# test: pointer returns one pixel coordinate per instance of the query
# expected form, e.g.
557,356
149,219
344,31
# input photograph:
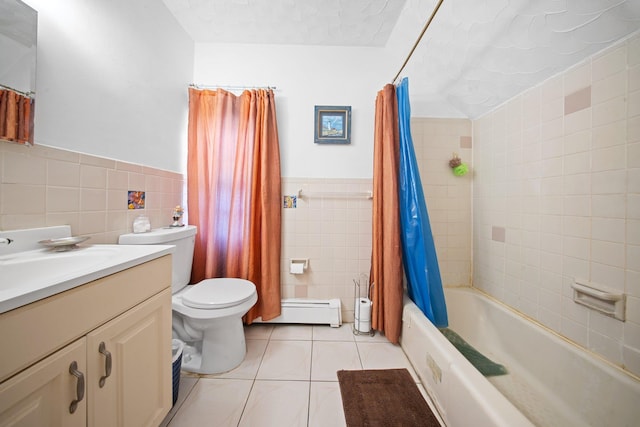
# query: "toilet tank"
183,238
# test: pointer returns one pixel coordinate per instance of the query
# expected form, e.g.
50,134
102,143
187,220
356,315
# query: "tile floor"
288,378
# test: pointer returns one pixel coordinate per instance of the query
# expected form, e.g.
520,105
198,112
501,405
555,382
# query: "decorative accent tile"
577,101
498,234
136,199
290,202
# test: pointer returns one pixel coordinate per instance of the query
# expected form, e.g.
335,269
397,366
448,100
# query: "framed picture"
332,124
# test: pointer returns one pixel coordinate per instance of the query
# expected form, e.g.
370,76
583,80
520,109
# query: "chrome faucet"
5,241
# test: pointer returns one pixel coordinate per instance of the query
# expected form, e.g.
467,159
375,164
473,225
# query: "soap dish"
64,243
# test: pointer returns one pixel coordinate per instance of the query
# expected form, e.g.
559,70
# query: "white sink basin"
46,265
28,276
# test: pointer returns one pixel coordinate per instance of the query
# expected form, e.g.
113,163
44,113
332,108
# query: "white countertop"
29,276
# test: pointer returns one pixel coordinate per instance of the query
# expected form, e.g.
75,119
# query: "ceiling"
475,55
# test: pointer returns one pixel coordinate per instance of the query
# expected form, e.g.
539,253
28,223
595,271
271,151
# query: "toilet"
206,316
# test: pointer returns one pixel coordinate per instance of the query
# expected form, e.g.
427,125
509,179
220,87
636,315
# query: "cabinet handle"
102,348
73,370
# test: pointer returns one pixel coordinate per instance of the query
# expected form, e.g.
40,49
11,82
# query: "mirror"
18,35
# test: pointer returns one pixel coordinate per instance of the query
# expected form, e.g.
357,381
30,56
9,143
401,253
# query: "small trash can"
177,347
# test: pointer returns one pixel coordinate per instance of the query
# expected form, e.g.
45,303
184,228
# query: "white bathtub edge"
462,395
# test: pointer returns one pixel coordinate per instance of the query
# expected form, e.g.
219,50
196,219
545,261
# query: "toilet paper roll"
363,309
296,268
362,320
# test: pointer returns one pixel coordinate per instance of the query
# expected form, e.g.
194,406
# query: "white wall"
112,80
306,76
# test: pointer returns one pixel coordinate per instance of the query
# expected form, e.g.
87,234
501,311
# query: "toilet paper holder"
298,265
362,307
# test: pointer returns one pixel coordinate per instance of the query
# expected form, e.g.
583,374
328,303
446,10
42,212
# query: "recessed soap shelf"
599,298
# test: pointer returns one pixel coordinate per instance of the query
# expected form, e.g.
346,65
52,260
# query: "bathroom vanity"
98,354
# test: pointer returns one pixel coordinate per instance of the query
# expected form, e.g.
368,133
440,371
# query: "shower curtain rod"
415,45
201,86
19,92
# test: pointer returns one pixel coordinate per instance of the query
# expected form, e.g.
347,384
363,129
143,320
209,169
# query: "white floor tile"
377,337
213,402
286,360
327,333
248,369
258,331
292,332
325,405
376,355
331,356
294,367
277,404
187,383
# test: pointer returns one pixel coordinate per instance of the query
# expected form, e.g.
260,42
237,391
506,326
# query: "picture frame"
332,124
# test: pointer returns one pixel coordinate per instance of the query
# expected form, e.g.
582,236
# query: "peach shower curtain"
16,111
386,260
233,182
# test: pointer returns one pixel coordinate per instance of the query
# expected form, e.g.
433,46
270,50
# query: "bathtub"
551,382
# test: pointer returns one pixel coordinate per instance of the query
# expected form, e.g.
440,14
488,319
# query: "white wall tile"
608,275
577,78
577,163
19,168
62,199
610,87
609,182
588,206
608,229
633,104
633,232
577,184
609,253
74,191
608,206
610,134
611,158
577,142
63,173
609,63
633,180
633,257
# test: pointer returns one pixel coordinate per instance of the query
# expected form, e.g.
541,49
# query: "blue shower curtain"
418,250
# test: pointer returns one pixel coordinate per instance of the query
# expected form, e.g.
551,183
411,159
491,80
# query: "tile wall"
334,232
448,197
556,196
331,226
44,186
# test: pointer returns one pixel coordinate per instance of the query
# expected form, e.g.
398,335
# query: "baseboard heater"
309,311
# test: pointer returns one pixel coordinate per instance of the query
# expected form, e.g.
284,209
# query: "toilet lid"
218,293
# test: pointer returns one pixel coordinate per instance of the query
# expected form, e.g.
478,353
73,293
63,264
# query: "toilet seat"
216,293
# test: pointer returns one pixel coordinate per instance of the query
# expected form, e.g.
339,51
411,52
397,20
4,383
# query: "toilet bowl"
207,316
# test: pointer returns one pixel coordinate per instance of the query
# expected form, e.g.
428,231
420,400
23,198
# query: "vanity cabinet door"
129,364
43,394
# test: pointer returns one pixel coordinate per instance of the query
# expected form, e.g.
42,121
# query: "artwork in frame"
332,124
